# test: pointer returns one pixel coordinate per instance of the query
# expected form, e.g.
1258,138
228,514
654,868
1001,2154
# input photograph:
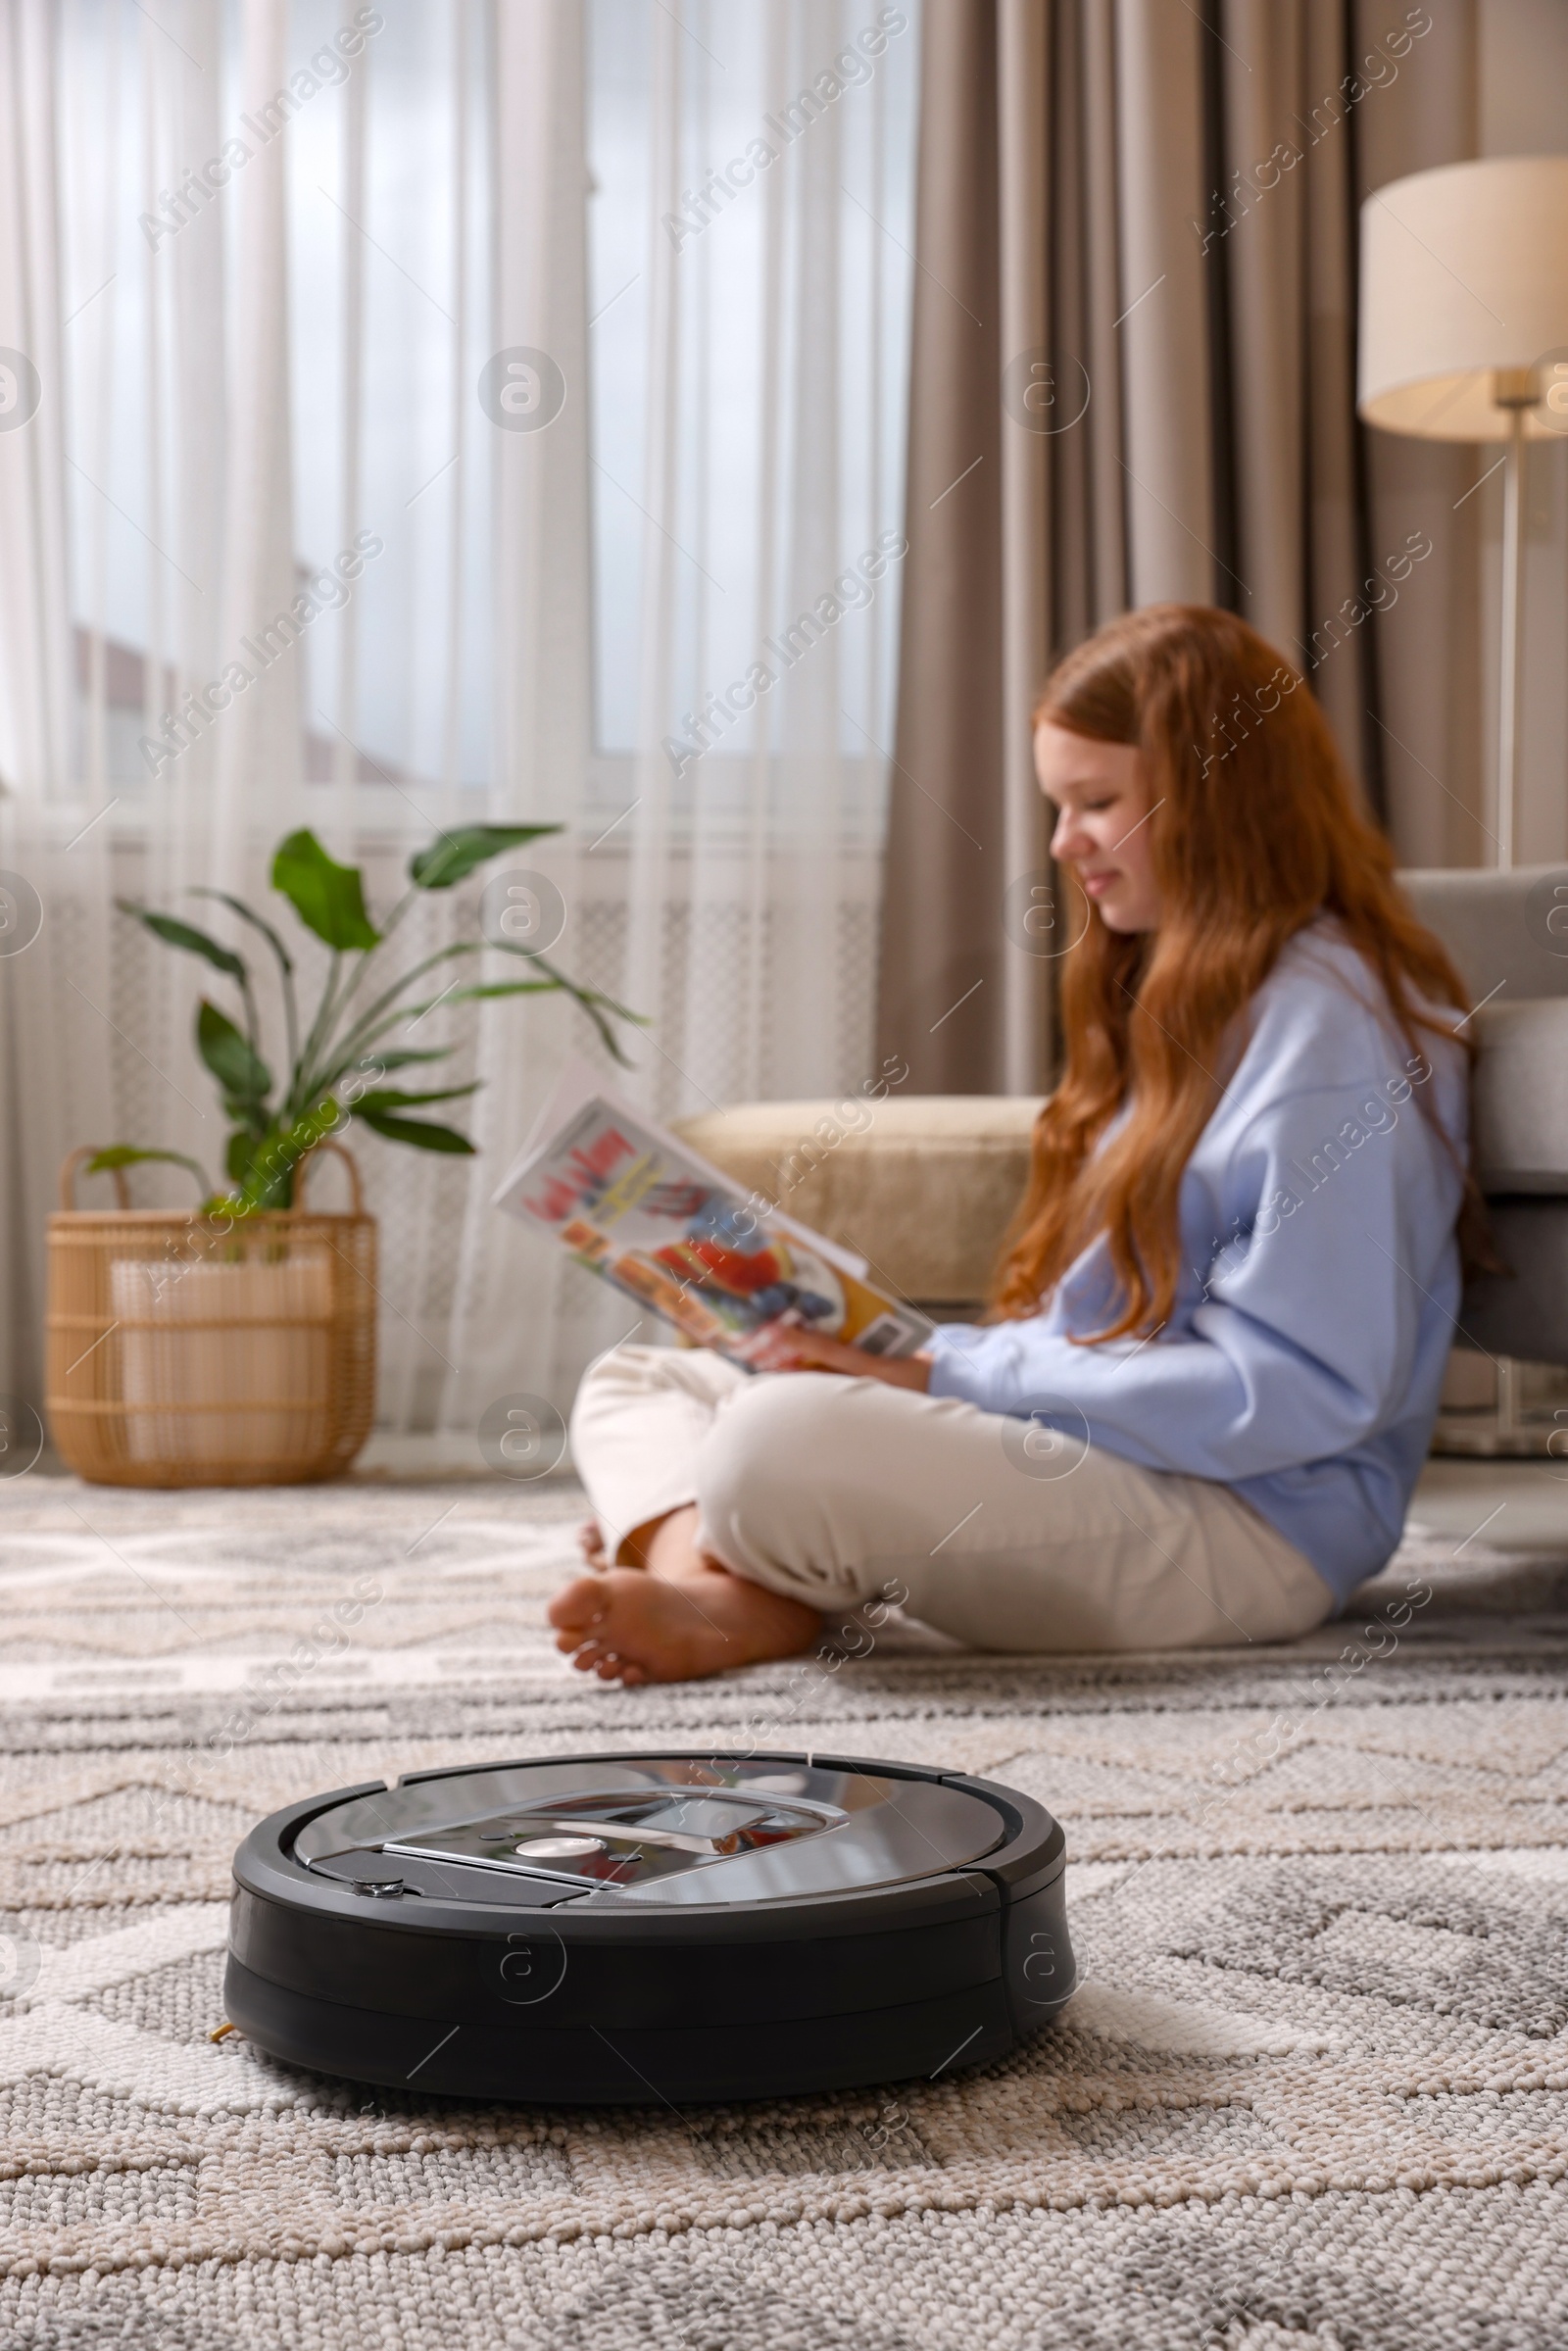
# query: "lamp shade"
1464,272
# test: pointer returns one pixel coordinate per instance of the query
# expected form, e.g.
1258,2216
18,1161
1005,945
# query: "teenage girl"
1208,1379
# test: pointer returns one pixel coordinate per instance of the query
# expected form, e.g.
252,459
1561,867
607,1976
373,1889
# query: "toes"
572,1632
577,1606
606,1664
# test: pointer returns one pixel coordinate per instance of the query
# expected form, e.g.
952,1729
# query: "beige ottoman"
922,1186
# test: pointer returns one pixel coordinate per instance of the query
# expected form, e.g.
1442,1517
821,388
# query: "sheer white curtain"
266,260
748,497
55,1051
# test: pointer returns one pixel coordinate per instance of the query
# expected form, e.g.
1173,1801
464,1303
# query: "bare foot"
591,1543
628,1626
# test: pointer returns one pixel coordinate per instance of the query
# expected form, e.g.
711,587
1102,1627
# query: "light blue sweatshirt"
1303,1357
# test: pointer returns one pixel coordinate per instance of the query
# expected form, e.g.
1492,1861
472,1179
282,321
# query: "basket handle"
301,1165
68,1177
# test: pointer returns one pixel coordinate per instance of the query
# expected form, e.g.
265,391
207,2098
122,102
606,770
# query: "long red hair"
1256,832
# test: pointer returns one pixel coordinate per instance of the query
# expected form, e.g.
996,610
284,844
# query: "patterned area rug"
1313,2092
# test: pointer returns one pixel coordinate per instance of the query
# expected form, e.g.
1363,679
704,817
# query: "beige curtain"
1133,370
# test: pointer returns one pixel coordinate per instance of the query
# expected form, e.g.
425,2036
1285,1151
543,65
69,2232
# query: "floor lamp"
1463,335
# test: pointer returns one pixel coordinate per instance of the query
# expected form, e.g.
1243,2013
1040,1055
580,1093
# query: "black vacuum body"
624,1929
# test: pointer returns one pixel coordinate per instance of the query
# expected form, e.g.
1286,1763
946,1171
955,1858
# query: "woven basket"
185,1350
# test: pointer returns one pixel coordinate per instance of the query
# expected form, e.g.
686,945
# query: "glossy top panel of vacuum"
655,1830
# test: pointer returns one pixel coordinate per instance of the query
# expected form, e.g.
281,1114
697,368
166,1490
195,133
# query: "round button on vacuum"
557,1848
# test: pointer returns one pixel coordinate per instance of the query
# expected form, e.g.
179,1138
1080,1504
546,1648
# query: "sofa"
1508,934
923,1185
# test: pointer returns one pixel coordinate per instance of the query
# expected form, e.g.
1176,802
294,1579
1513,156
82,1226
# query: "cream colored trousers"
838,1491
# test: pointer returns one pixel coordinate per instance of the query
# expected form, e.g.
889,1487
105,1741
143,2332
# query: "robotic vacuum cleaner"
627,1928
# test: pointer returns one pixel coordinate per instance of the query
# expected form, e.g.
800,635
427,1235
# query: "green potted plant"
335,1064
236,1342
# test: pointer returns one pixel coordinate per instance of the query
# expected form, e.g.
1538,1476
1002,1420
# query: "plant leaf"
127,1155
252,1116
466,996
241,1073
382,1098
175,933
576,989
327,898
238,906
591,1002
239,1154
423,1134
452,857
403,1055
269,1177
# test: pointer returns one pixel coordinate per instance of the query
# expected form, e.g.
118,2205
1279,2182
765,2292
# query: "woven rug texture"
1312,2094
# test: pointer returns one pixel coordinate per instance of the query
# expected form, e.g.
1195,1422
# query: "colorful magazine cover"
634,1203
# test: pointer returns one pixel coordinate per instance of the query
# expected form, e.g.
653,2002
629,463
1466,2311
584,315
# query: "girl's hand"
783,1347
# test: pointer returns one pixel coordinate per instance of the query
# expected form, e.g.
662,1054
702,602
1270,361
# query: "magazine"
632,1202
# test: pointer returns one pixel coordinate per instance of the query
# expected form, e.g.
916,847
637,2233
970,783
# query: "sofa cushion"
1519,1103
1506,931
923,1186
